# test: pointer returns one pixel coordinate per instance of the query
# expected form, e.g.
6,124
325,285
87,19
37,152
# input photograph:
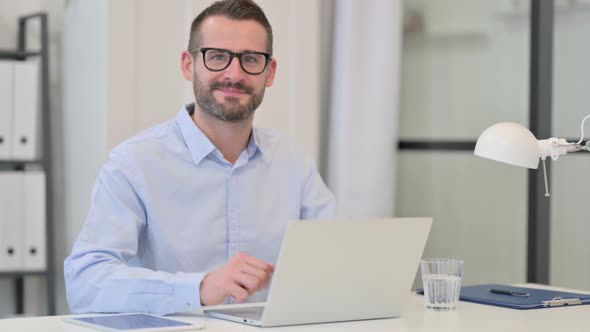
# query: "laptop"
333,271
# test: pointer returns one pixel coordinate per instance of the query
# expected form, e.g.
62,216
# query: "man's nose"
234,70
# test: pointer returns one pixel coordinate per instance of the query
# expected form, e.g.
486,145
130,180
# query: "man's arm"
98,274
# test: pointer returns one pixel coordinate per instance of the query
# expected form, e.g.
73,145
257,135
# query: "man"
193,212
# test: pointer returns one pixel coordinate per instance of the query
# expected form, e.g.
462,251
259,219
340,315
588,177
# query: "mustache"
229,85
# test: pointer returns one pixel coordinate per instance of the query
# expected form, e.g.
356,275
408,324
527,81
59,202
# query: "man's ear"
187,65
272,70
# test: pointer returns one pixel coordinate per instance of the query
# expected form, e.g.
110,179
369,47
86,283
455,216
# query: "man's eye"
251,59
217,56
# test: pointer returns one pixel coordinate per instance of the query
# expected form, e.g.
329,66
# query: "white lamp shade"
509,143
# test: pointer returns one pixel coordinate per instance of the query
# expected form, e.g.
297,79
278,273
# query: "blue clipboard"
520,297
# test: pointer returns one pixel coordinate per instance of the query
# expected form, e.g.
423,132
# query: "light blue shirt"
167,208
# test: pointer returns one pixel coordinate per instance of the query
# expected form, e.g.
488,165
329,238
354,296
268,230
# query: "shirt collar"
199,144
261,145
253,145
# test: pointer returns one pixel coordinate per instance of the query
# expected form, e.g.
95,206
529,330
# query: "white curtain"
364,106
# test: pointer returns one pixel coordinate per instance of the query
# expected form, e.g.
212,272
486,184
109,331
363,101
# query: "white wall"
144,85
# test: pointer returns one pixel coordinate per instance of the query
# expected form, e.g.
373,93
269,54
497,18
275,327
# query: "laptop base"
246,315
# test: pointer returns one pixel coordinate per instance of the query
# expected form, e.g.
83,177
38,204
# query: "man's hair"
232,9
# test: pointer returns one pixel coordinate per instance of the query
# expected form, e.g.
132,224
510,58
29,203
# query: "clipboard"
534,299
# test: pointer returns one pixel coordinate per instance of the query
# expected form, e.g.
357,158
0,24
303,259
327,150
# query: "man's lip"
230,91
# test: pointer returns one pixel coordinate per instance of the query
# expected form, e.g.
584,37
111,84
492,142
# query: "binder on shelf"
520,297
26,112
11,231
6,101
34,245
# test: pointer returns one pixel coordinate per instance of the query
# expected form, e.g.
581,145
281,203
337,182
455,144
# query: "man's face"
231,94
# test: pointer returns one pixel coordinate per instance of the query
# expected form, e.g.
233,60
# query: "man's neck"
230,138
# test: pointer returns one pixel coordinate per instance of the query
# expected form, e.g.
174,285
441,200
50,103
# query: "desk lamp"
514,144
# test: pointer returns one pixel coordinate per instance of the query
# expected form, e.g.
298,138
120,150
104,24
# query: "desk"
468,317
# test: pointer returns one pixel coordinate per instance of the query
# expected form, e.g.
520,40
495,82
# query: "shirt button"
84,237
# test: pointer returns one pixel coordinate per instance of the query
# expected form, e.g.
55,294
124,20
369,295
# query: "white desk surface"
468,317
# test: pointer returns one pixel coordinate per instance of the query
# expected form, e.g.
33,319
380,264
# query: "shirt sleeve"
317,201
99,274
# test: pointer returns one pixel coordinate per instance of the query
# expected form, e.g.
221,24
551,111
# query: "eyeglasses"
218,59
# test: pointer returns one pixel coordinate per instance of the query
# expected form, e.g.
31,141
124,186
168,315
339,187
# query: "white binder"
26,118
6,100
11,231
34,221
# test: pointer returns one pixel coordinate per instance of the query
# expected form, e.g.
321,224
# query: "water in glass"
441,291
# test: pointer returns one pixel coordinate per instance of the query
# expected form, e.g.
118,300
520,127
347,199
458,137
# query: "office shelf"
20,162
22,53
13,274
17,55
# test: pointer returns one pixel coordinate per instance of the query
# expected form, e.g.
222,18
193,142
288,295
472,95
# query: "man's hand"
239,278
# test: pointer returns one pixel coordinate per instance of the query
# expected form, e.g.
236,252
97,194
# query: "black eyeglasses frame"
233,55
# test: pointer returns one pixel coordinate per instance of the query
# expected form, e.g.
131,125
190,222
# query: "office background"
437,74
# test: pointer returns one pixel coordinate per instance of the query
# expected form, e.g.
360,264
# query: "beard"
231,110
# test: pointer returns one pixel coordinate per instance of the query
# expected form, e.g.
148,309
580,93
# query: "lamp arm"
555,147
569,147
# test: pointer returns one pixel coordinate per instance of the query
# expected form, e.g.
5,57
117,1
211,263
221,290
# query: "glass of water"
441,279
